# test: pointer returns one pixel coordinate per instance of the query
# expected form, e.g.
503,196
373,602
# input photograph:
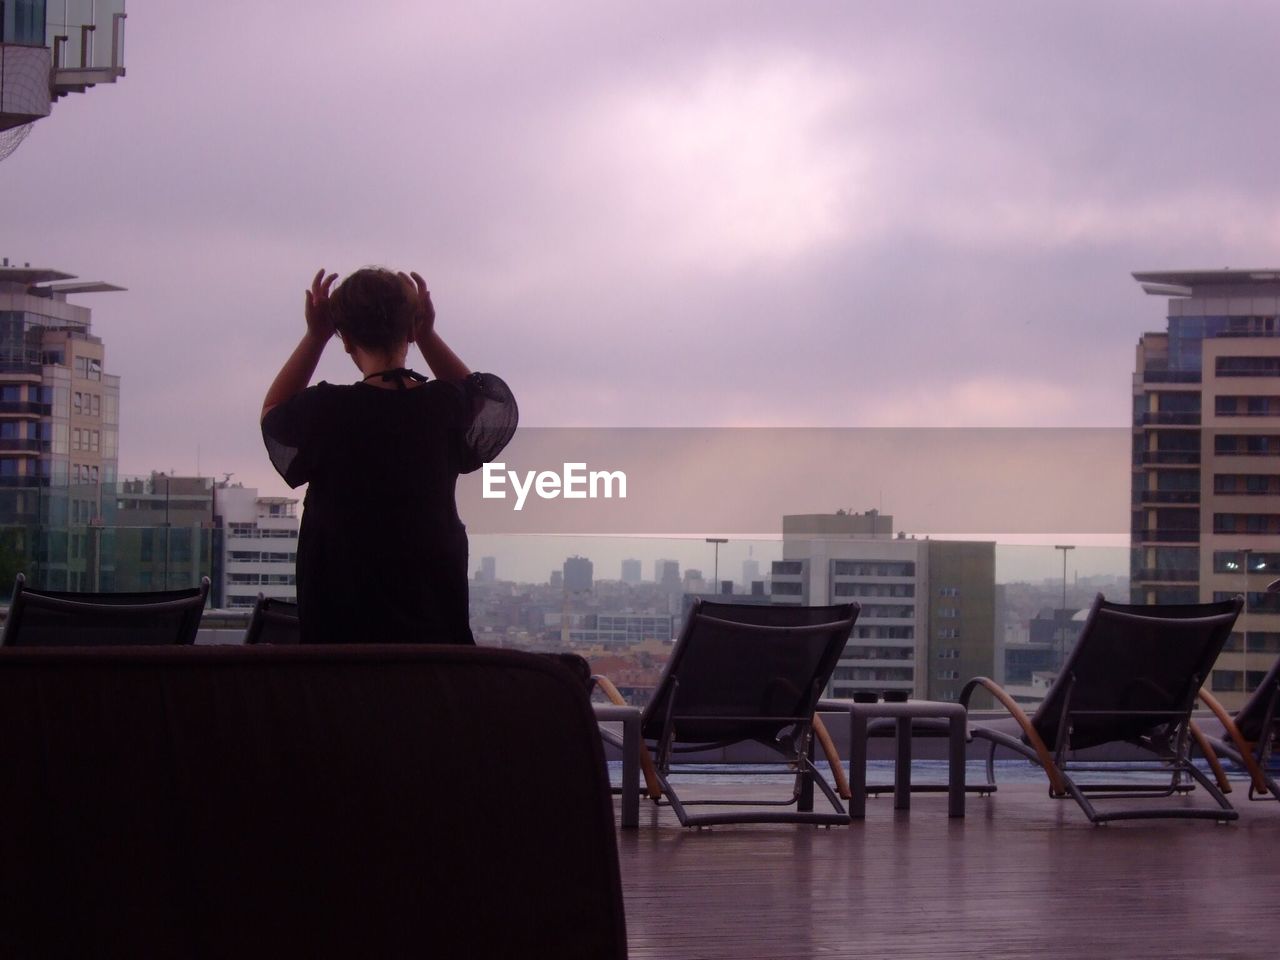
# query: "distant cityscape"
932,614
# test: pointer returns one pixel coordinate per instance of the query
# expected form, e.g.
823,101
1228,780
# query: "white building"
928,606
259,544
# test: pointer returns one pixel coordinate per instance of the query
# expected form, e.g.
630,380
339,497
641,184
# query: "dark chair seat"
59,618
273,621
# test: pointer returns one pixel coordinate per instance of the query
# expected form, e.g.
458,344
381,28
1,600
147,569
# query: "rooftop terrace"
1020,876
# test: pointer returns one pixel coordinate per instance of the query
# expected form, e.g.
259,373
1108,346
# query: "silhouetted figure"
382,553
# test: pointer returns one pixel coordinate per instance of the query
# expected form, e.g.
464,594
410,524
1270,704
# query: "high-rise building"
59,431
1206,458
928,606
488,570
667,574
631,572
59,409
578,575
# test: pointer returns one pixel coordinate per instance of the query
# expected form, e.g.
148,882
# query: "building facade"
164,535
928,606
631,571
578,574
59,431
59,409
259,537
1206,458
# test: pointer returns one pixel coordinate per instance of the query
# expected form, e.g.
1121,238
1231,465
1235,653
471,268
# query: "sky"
663,214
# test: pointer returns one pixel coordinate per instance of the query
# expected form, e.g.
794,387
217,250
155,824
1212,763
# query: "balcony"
21,445
1155,575
1167,536
1171,376
1167,496
28,407
1175,458
1161,418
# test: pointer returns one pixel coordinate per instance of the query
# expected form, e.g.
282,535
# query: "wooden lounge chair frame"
1249,737
673,725
1060,726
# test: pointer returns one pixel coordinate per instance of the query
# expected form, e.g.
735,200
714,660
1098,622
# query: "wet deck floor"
1021,876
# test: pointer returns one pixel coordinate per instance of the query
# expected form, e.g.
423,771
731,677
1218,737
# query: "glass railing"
623,601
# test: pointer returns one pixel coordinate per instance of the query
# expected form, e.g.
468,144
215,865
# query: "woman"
382,553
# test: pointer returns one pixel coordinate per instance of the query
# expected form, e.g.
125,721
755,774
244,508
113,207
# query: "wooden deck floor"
1020,876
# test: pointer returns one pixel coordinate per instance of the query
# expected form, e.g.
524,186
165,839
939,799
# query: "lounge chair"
744,673
273,621
1132,678
58,618
1249,736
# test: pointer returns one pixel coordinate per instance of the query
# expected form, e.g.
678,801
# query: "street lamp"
715,577
1245,554
1062,630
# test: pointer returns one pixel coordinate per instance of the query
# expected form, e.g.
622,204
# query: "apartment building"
259,545
59,428
928,606
1206,458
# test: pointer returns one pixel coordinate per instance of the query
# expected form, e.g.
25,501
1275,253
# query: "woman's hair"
373,309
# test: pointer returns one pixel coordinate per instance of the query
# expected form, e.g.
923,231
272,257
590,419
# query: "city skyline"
602,202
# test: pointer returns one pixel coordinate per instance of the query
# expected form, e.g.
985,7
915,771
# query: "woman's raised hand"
424,319
319,308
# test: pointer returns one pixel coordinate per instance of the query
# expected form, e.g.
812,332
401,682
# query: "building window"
1248,366
1227,681
1254,523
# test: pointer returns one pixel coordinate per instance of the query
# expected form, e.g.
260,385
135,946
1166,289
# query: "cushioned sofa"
302,801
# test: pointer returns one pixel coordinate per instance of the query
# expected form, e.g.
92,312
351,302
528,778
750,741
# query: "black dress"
382,553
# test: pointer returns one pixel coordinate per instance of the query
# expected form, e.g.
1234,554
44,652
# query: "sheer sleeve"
490,417
289,431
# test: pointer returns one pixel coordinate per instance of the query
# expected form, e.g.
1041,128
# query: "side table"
903,714
629,717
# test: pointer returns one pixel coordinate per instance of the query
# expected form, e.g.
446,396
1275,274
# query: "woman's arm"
296,373
444,363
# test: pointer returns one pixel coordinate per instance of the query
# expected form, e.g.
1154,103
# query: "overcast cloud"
668,213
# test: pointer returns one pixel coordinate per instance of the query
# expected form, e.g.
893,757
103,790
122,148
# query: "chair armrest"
1056,783
1243,746
652,786
833,758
